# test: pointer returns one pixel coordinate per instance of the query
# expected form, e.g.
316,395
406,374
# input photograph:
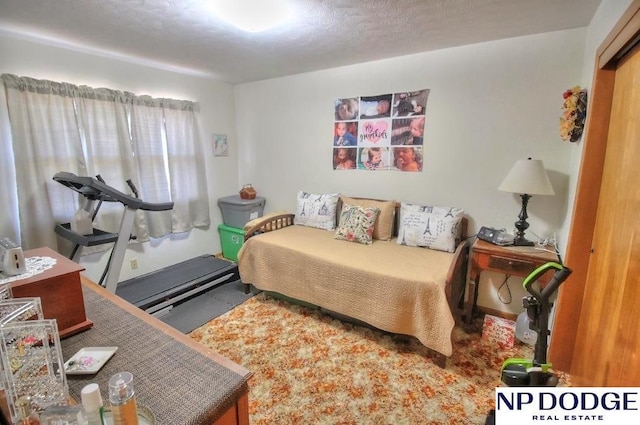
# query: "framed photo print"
220,145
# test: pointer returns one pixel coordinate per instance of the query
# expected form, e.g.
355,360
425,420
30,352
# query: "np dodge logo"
532,405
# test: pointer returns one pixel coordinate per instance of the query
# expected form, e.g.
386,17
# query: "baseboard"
497,313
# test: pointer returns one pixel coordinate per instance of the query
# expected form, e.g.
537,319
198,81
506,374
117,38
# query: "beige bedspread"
395,288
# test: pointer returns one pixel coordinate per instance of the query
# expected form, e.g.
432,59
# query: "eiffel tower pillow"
316,210
428,226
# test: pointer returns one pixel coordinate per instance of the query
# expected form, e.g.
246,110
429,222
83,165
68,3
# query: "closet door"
607,350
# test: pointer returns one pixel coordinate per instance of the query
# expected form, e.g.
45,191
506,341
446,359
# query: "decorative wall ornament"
383,132
574,114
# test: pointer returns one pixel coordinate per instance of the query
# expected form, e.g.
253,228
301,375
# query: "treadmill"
155,291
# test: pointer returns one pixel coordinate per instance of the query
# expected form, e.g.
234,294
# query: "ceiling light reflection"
253,15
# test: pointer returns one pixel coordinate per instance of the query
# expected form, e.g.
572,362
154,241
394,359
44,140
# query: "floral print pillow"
356,224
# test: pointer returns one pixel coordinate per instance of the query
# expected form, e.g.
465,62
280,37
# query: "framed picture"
220,145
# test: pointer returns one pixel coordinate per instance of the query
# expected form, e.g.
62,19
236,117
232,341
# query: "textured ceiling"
185,36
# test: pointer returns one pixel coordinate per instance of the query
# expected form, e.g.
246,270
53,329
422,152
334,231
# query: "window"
118,135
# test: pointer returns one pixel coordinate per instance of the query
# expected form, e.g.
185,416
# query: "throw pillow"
383,227
357,224
317,211
431,227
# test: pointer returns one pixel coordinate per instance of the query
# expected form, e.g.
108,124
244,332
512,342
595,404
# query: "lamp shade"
527,176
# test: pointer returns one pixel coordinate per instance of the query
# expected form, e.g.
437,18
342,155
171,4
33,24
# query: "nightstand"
512,260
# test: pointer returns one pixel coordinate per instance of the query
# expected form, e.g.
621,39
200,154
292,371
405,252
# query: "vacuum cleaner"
519,372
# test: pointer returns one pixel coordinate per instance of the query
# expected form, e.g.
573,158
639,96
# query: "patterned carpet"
310,368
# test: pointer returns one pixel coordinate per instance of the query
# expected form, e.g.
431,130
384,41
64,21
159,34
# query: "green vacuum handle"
562,273
535,275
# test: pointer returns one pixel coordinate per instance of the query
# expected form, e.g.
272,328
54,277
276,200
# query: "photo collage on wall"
383,132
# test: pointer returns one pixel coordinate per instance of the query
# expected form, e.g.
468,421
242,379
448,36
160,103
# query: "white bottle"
92,407
523,332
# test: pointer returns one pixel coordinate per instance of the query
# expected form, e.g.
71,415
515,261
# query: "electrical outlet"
134,263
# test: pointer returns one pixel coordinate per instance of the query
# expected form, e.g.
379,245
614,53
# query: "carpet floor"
310,368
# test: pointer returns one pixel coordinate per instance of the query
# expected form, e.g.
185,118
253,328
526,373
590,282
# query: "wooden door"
607,350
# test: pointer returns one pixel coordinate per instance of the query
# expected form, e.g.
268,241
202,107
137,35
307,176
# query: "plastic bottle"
523,333
92,407
122,399
25,416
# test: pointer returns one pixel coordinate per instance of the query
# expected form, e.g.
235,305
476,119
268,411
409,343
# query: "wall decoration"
220,145
574,114
344,158
373,158
346,109
345,133
382,132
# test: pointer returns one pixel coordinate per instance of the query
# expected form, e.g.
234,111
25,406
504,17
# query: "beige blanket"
395,288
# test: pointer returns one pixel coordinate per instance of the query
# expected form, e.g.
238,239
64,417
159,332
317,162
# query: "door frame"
569,306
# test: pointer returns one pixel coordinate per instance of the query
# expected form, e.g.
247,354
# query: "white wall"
490,104
26,58
602,23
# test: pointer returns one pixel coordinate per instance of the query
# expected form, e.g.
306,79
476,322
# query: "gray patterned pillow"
317,211
431,227
356,224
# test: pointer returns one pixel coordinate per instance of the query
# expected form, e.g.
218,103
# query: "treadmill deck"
149,289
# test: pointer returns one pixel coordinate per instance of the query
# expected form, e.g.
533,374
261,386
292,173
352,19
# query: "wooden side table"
513,260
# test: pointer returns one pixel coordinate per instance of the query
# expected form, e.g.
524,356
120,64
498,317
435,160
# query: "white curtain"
61,127
102,114
45,140
188,186
147,128
9,226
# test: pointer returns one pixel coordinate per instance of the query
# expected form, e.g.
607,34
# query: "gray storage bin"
236,212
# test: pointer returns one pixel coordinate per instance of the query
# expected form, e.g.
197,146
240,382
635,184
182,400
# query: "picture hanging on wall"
383,132
220,145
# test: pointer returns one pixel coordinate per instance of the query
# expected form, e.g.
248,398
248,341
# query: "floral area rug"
310,368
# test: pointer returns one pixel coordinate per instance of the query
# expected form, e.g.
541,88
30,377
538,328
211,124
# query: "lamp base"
522,225
522,242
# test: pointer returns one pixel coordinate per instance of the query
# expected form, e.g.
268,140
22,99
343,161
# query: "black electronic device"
495,236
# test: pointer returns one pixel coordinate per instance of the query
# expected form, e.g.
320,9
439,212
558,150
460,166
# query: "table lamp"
527,177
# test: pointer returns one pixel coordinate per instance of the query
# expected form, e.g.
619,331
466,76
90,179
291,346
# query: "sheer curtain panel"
188,182
103,118
46,139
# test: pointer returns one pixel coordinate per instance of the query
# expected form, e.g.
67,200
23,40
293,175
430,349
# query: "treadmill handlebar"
133,188
97,190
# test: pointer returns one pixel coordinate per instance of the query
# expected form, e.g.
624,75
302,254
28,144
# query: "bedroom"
490,104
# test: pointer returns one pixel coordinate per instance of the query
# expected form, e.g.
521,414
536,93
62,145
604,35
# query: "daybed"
401,289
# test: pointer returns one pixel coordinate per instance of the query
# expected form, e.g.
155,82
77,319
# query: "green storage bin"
231,239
